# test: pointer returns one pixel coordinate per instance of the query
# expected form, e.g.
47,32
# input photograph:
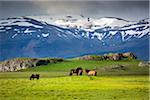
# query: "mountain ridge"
42,39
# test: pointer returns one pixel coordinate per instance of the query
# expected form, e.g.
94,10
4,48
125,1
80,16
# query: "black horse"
37,76
78,71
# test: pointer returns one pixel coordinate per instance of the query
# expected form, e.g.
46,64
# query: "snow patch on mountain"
28,31
2,30
45,35
1,27
14,35
113,22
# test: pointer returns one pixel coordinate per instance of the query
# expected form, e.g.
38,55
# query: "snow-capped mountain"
44,36
91,28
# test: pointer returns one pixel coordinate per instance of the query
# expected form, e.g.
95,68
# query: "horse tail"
37,75
95,73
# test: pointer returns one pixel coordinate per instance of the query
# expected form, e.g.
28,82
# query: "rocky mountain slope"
24,63
110,56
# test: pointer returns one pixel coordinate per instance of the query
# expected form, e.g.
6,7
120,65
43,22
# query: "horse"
37,76
91,72
78,71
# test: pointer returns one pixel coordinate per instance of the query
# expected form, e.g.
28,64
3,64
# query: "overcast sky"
129,10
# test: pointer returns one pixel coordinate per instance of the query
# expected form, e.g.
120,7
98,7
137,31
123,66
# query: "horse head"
87,70
71,72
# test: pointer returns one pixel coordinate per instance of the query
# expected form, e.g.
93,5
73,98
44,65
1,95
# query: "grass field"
55,84
76,88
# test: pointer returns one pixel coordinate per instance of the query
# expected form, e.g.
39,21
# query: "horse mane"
78,71
87,70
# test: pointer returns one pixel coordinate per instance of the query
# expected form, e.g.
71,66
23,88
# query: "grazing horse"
91,72
78,71
37,76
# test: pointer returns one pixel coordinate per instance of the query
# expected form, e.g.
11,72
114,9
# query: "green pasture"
55,83
76,88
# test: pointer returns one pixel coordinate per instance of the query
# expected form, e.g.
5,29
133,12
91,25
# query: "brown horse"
37,76
77,71
91,72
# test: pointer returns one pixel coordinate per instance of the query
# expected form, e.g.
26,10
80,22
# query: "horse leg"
77,73
81,73
70,74
37,77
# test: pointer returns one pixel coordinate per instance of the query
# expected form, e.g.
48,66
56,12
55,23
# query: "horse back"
94,73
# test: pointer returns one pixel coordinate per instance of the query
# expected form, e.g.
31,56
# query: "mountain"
71,36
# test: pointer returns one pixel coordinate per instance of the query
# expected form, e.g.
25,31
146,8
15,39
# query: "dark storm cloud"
132,10
19,8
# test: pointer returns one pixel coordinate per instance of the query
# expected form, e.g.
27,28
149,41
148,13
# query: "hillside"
24,63
125,66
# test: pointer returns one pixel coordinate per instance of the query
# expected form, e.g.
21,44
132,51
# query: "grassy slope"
131,67
68,64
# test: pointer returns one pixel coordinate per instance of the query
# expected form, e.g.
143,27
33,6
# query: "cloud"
64,7
125,9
